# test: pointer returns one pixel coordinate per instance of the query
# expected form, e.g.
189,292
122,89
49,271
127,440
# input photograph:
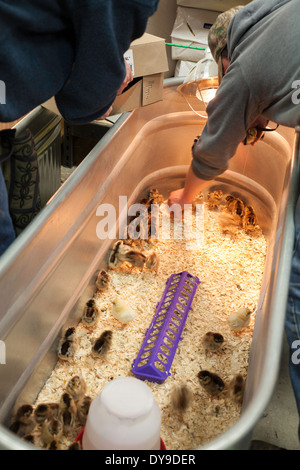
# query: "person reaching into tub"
72,50
258,73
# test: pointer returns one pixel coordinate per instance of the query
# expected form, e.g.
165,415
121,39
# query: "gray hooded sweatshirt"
263,78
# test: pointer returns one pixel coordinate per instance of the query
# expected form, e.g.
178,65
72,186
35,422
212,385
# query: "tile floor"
279,424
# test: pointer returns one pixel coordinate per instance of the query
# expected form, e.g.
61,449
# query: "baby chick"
135,258
230,223
42,412
122,312
69,334
181,398
236,389
68,411
113,260
83,407
102,344
91,313
66,350
211,382
102,281
74,446
240,319
53,445
152,261
212,341
251,136
235,205
214,199
51,429
76,387
23,421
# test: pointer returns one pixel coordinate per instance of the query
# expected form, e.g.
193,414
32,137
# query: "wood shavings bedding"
230,271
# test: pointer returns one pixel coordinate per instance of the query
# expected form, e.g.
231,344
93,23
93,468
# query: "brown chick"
68,411
135,258
212,341
211,382
236,389
42,412
76,387
102,281
83,407
214,199
74,446
181,398
240,319
230,223
102,344
69,334
23,422
53,445
152,261
66,349
50,430
91,313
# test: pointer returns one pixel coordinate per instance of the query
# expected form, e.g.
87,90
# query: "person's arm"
103,32
193,186
229,117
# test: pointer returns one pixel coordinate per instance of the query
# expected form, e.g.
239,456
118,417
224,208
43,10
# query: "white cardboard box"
191,29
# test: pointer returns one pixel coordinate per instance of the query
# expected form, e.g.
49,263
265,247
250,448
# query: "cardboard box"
147,58
191,28
215,5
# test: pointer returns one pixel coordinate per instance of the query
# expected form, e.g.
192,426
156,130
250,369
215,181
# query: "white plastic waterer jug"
124,416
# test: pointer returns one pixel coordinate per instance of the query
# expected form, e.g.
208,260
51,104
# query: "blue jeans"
292,324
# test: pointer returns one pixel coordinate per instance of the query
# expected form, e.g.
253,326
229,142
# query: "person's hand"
128,78
105,115
177,198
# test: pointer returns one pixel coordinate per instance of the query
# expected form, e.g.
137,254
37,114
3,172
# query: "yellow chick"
212,341
211,382
236,389
76,387
240,320
122,312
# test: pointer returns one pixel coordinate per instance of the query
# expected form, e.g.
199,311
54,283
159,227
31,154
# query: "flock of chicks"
234,214
49,421
181,396
45,424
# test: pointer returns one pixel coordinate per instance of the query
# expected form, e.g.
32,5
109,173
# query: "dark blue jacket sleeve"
103,31
70,49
